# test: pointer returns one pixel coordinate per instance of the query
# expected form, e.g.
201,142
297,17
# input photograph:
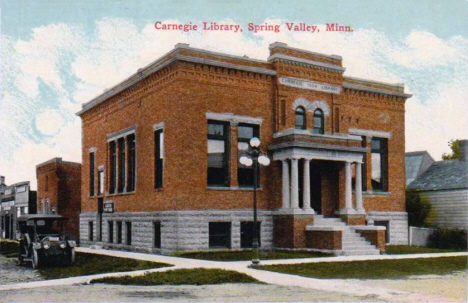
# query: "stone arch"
321,105
301,102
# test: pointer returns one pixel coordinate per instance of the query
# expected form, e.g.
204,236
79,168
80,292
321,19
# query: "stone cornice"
162,63
229,117
284,45
308,133
305,62
375,90
318,146
370,133
121,133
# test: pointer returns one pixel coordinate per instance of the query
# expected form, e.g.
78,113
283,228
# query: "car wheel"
36,261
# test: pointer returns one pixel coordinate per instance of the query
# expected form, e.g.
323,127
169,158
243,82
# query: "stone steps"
352,242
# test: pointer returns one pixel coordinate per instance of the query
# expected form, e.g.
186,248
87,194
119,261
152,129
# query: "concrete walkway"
334,285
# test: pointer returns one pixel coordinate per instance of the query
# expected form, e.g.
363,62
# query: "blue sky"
57,55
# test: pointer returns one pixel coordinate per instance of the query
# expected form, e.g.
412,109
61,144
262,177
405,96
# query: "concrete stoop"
352,242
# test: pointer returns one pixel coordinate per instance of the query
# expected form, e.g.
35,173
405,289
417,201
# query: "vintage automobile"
43,240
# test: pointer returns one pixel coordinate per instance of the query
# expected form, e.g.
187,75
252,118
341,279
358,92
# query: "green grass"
375,269
90,264
246,255
406,249
196,276
9,249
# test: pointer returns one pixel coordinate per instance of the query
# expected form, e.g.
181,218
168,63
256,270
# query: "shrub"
448,238
418,209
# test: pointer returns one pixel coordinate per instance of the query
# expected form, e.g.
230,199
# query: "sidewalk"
334,285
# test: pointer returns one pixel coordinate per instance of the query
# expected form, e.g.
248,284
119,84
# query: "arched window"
319,122
300,118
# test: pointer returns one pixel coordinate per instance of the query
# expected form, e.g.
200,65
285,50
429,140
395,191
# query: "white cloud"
62,67
422,49
49,122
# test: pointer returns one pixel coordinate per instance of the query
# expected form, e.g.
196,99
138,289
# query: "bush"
418,210
448,238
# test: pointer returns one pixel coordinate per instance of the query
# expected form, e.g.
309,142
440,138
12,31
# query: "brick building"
59,191
160,155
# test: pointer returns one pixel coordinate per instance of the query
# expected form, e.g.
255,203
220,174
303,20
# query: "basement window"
157,234
220,235
119,232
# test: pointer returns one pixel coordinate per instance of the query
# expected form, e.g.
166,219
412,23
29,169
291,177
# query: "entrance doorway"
316,187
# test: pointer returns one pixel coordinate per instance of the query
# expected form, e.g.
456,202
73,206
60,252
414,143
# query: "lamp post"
254,157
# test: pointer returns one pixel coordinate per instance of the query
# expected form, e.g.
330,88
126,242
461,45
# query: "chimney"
464,150
2,180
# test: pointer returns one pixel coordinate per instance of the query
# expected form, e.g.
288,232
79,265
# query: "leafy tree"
455,146
418,209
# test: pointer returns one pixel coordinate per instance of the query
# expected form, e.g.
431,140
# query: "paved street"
281,287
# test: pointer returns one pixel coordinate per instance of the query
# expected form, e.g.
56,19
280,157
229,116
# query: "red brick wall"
63,191
324,239
376,237
289,231
180,95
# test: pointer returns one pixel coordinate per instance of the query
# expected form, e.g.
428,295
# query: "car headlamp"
46,245
63,245
72,243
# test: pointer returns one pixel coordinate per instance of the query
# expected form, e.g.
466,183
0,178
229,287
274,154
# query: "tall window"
245,174
122,161
91,174
158,158
218,153
301,122
131,163
319,125
379,164
113,166
121,174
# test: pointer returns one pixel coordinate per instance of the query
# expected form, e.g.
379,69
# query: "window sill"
232,188
120,194
158,189
376,193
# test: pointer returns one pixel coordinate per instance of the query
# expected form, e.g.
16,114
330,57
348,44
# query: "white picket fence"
419,236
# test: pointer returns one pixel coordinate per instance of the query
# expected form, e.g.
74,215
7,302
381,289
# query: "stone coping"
368,227
324,228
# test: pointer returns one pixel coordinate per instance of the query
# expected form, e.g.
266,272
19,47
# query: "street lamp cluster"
254,157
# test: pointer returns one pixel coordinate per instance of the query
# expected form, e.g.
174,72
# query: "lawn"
375,269
196,276
406,249
9,249
86,264
90,264
246,255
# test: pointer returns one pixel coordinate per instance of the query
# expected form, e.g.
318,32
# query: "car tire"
36,261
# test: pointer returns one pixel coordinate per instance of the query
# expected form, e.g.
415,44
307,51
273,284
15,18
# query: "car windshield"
49,226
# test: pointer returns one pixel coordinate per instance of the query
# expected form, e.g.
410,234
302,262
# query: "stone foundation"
180,230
